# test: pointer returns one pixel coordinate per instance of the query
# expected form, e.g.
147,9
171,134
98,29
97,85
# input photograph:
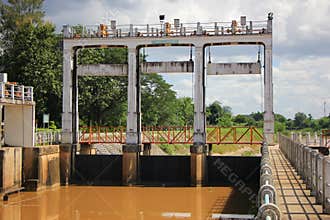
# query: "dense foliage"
31,54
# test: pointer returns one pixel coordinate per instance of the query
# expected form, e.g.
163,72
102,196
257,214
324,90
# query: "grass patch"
248,153
175,149
225,148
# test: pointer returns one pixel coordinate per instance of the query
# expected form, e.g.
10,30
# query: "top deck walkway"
294,199
301,177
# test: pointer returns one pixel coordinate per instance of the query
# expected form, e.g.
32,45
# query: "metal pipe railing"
308,138
13,92
47,137
311,165
166,29
267,197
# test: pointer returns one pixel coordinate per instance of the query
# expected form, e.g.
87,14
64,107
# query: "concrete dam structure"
48,176
135,38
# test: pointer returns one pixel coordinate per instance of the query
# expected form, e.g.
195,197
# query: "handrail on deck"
172,29
13,92
267,196
312,165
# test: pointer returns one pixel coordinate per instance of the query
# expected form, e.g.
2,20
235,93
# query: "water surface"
141,203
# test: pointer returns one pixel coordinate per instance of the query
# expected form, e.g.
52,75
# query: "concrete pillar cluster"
313,166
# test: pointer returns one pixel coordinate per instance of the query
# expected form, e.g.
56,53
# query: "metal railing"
168,29
47,137
13,92
267,197
172,135
308,138
313,166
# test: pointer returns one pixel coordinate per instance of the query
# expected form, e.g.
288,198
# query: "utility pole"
324,108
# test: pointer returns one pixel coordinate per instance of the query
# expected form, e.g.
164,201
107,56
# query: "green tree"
257,116
185,111
35,60
217,114
324,123
244,120
32,54
15,14
280,118
299,120
102,100
158,101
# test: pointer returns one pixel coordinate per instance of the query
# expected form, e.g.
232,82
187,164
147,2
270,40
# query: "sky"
301,46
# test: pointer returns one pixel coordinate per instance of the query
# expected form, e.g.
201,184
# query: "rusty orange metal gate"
172,135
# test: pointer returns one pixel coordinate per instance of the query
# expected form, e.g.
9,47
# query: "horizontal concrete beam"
233,68
102,70
168,67
146,67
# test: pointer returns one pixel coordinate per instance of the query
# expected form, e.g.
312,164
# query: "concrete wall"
19,125
10,167
41,164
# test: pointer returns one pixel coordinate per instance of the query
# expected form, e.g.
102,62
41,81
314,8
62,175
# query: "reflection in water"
142,203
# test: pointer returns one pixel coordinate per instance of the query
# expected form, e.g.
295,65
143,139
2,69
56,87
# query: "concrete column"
305,167
131,164
146,149
198,165
309,169
199,98
70,122
314,154
75,112
132,148
268,96
87,149
301,160
198,149
210,149
319,179
67,96
308,138
65,163
1,125
133,135
326,185
300,137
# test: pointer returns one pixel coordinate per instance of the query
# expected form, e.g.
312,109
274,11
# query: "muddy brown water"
141,203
